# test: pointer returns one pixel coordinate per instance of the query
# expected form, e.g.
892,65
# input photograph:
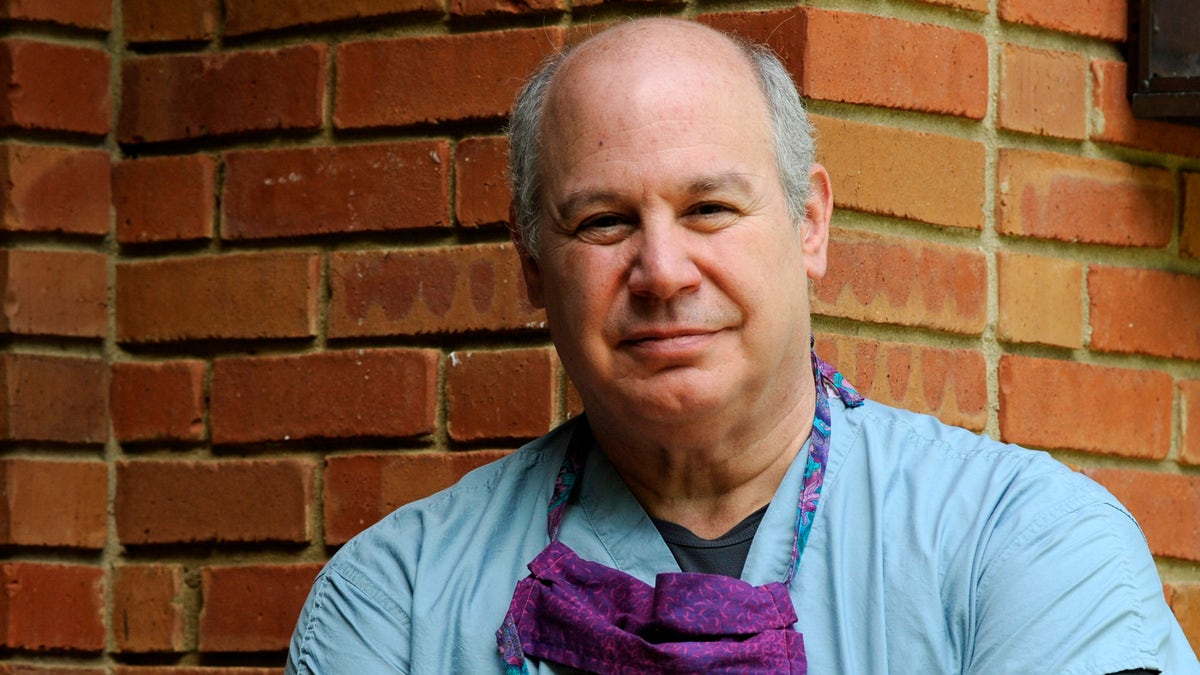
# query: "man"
669,217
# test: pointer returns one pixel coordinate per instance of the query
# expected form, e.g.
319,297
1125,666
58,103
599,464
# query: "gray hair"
792,132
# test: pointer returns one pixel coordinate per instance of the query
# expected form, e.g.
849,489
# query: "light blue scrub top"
933,551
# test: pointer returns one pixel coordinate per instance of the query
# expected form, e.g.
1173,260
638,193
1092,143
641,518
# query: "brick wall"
257,291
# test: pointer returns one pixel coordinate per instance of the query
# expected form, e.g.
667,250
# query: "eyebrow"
581,200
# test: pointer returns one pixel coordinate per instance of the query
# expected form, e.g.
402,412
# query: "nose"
664,265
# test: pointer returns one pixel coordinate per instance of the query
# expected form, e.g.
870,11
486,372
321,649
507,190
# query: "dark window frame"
1155,30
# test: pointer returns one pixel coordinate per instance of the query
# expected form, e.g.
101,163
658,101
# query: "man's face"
673,279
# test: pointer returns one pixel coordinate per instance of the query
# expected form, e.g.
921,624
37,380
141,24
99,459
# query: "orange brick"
386,83
1041,300
1189,391
1097,201
231,500
950,384
1116,124
359,188
506,394
906,174
1145,312
61,293
176,21
147,608
361,489
858,58
53,398
53,503
1104,19
1167,506
504,7
165,198
50,189
90,14
28,669
239,296
252,16
47,606
785,31
429,290
158,401
360,393
481,194
1074,406
252,608
1043,92
54,87
1185,604
1189,239
906,282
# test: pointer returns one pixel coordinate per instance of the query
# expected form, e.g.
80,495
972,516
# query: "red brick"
906,174
252,16
54,87
1044,92
362,188
1167,506
164,198
53,398
48,189
251,295
906,282
178,96
92,14
1145,312
53,503
950,384
147,608
1185,603
28,669
503,7
596,3
481,194
1115,122
179,20
972,5
360,393
1041,300
785,31
222,501
158,401
1189,239
384,83
47,606
1075,406
429,290
62,293
1096,201
361,489
253,607
506,394
1104,19
1189,391
859,58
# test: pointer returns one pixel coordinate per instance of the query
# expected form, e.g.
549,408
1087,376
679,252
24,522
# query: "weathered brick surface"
1167,506
1053,196
1185,603
503,7
53,503
61,293
858,58
252,16
1043,92
1189,238
372,393
242,296
252,608
221,501
178,20
362,188
361,489
164,198
51,189
49,606
950,384
1190,396
901,281
481,194
1105,19
428,290
907,174
53,398
1095,418
90,14
386,83
507,394
1041,299
1115,122
147,608
179,96
1144,311
162,401
785,31
54,87
27,669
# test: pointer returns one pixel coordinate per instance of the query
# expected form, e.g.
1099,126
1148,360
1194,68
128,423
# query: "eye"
711,216
710,209
604,228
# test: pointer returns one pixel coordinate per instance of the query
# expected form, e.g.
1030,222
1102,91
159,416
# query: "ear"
815,228
529,267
